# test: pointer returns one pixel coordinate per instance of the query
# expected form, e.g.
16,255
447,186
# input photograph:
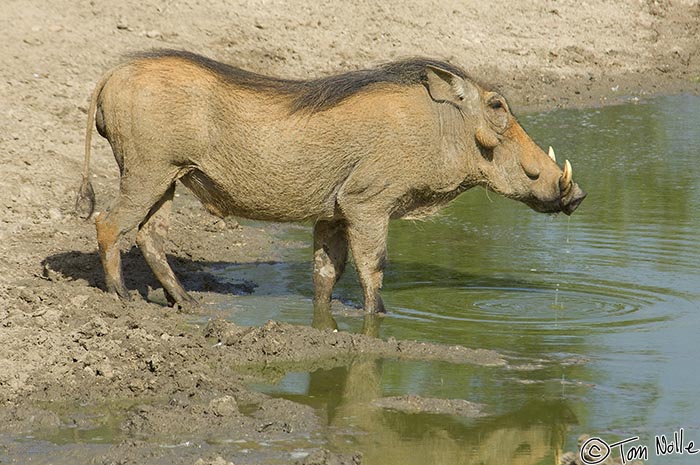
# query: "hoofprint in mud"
348,152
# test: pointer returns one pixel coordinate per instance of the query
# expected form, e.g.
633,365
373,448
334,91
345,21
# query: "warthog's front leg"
330,256
368,245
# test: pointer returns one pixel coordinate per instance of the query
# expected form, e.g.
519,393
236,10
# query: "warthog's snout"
546,187
576,196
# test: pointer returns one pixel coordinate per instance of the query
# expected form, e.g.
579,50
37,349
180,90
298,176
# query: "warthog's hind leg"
330,256
108,235
138,194
151,241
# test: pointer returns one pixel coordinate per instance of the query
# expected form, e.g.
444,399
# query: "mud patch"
418,404
130,380
282,343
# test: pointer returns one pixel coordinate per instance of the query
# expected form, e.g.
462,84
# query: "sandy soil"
65,342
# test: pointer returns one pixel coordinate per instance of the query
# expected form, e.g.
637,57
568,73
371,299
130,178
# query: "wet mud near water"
124,383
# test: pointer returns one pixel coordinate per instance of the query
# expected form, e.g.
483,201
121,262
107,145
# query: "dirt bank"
65,344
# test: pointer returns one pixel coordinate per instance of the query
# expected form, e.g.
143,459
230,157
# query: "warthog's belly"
258,201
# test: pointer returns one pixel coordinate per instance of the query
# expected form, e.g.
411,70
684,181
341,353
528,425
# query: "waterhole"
599,313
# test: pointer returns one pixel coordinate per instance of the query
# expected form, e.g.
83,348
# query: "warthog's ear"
445,86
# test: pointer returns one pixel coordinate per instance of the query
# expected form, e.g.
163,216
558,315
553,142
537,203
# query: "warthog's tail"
85,201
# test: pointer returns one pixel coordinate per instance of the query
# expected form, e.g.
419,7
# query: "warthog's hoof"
184,303
119,290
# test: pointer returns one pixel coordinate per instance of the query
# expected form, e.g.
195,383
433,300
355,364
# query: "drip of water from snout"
558,306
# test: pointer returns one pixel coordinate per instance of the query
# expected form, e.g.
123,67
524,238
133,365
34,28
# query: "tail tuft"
85,201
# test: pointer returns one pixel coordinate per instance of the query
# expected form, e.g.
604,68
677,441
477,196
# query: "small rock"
223,406
216,226
33,41
55,214
214,461
51,274
137,385
96,327
122,24
78,300
153,34
154,363
274,427
105,369
326,457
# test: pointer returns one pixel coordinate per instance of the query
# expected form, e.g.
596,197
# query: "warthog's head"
507,161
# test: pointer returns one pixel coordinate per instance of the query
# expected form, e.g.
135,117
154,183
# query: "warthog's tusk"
566,177
551,154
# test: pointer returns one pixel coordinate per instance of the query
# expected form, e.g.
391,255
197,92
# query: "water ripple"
597,306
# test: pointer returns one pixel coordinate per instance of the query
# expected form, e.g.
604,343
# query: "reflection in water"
600,311
533,433
527,436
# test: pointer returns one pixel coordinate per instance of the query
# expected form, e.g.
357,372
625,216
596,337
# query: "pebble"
122,24
224,406
78,300
214,461
104,369
33,41
55,214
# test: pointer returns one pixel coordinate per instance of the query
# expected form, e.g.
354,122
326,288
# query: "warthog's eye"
497,113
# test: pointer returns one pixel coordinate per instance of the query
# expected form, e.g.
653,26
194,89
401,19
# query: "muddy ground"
65,345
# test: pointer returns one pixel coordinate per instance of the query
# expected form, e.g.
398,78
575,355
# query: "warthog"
347,152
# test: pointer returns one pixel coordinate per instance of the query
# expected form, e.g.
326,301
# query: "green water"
598,313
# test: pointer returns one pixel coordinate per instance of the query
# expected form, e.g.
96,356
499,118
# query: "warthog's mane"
316,94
